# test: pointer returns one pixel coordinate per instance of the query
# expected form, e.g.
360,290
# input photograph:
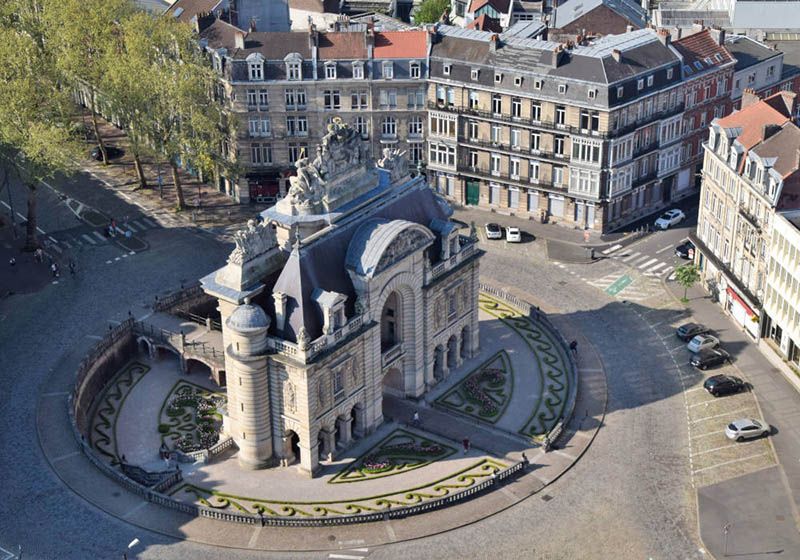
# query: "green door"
473,193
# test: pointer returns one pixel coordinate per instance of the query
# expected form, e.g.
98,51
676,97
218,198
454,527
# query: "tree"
186,125
430,11
37,135
687,276
80,34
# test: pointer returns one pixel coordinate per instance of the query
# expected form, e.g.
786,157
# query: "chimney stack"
203,21
494,42
719,35
252,26
664,37
616,54
628,28
238,38
749,97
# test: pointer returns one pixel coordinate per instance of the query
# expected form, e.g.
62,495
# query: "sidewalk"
779,492
206,207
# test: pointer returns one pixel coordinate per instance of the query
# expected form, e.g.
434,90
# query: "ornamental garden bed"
400,452
190,418
485,393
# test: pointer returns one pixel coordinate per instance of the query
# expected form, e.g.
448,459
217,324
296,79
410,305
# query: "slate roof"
321,264
220,34
275,45
247,318
502,6
485,23
783,146
748,52
572,10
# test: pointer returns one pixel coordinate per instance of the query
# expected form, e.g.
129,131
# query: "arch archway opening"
452,353
438,363
465,343
391,326
196,367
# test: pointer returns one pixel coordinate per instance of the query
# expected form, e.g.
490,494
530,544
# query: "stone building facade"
751,171
355,286
284,88
574,136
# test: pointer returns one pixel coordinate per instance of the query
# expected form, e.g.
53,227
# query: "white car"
747,428
670,218
702,342
513,235
494,231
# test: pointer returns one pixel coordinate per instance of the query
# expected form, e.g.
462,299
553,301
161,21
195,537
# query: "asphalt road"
628,497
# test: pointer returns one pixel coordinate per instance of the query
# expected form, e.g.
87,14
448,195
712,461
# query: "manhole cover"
331,538
547,497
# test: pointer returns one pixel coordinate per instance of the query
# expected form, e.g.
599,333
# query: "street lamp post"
131,544
725,530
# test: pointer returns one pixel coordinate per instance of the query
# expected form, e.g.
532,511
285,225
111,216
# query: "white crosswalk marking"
89,239
631,256
612,249
150,222
138,225
640,260
656,267
131,227
648,263
667,270
98,236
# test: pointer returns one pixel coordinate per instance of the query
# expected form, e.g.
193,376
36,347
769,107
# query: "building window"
296,126
496,133
536,141
442,125
562,88
338,384
415,126
446,69
416,98
443,154
592,93
294,71
558,176
558,145
361,126
561,115
295,99
263,99
259,126
388,98
330,70
494,194
474,100
649,81
389,127
473,159
498,77
536,111
358,99
414,70
518,81
533,167
590,120
260,154
497,103
416,152
296,151
515,167
669,73
256,71
620,92
473,74
495,164
331,99
358,70
388,70
537,84
516,138
251,98
586,151
516,107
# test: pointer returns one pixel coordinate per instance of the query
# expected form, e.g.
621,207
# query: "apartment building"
587,137
782,296
284,88
751,171
708,70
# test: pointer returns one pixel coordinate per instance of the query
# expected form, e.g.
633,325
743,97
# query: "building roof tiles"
401,44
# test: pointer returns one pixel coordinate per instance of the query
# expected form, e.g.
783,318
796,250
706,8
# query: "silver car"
702,342
747,428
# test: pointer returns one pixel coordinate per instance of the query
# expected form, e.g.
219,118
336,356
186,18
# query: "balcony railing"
656,116
504,176
749,217
466,251
514,151
391,354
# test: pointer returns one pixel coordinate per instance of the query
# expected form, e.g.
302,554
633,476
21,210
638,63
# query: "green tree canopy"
687,276
430,11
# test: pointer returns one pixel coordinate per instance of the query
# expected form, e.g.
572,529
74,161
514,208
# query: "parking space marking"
737,411
663,249
739,460
707,434
725,447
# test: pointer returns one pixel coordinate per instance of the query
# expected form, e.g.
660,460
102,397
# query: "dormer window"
255,67
446,69
518,81
358,70
537,84
330,70
620,92
473,74
332,306
388,70
294,69
592,93
649,81
698,64
639,84
562,88
498,77
414,70
669,73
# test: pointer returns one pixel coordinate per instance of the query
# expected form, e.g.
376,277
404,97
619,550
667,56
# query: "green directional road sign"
619,284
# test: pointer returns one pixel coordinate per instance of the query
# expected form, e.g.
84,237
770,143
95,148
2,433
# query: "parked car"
723,385
670,218
513,235
747,428
702,342
685,250
494,231
709,357
111,151
688,331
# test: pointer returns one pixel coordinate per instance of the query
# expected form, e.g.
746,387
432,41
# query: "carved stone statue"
395,162
251,242
303,340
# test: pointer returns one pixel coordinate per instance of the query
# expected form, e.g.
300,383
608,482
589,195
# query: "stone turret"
248,419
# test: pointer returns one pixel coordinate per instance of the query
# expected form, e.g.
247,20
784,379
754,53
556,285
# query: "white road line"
729,413
724,447
139,225
53,239
345,556
731,462
129,225
9,556
708,434
149,221
648,263
66,456
656,267
89,239
98,236
631,256
663,249
612,249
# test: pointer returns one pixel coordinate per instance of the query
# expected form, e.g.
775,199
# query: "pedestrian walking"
415,419
465,442
54,270
72,267
574,346
38,255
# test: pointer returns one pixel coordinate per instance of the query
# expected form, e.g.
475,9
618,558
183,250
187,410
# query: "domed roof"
248,317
